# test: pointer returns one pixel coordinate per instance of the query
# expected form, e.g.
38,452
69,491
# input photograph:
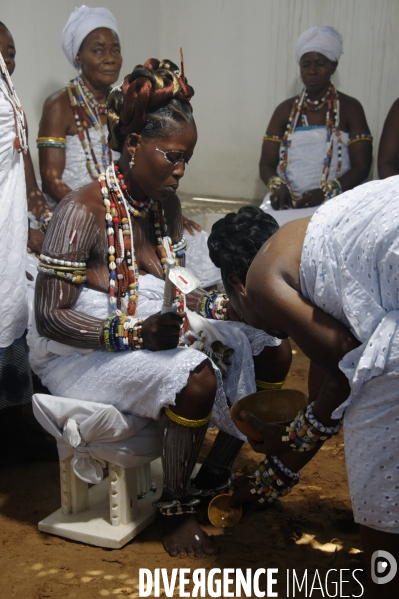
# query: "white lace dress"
305,164
143,382
350,269
14,232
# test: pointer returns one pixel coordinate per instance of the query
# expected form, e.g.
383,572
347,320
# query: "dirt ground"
312,529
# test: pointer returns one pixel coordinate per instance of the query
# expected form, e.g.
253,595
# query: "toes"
209,547
172,549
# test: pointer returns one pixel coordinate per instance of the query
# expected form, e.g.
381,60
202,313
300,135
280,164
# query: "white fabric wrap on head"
83,21
325,40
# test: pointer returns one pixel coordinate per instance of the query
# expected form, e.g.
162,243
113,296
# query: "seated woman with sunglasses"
100,335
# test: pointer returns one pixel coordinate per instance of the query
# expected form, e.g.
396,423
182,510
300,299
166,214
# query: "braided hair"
236,239
151,101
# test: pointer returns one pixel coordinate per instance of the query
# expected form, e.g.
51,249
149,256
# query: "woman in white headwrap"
73,135
317,144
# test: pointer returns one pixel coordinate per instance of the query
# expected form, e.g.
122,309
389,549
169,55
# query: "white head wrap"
83,21
325,40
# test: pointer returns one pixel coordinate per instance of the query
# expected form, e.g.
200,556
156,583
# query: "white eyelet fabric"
143,382
350,269
14,233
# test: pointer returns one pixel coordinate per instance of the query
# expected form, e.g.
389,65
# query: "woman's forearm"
55,188
71,328
388,169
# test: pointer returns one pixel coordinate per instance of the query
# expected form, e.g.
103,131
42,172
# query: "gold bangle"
185,421
265,385
360,137
274,138
51,138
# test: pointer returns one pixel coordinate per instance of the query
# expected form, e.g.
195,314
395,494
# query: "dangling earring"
243,294
80,71
131,163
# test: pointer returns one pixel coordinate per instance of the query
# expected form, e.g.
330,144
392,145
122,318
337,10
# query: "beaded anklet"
268,483
186,421
306,432
214,306
176,507
267,386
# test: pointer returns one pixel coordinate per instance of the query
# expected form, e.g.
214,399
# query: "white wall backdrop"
239,57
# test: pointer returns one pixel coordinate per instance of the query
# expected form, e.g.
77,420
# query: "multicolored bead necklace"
94,104
331,99
6,86
81,97
123,269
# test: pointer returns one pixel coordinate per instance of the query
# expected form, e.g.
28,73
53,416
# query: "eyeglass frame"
180,152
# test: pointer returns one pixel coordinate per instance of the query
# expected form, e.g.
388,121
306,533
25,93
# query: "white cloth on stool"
96,433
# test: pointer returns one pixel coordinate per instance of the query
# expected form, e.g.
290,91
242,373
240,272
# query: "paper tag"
184,279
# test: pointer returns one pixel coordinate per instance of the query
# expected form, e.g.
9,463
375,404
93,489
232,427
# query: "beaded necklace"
100,108
81,97
123,269
6,86
302,102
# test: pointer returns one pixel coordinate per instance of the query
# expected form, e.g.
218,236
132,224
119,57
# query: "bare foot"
182,535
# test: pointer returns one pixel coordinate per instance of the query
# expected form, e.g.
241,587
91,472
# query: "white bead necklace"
21,142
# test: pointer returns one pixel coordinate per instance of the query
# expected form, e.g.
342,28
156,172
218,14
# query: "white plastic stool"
91,436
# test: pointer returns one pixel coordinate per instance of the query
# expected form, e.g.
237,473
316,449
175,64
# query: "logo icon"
383,567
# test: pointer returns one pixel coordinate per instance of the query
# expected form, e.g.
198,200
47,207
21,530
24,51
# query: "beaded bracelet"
273,138
180,247
306,432
176,507
72,275
274,183
44,220
331,188
360,137
107,341
122,333
268,482
214,306
59,262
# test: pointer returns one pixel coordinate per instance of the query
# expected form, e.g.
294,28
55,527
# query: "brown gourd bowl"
276,406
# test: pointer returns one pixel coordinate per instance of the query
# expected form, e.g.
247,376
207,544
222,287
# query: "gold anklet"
185,421
266,386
